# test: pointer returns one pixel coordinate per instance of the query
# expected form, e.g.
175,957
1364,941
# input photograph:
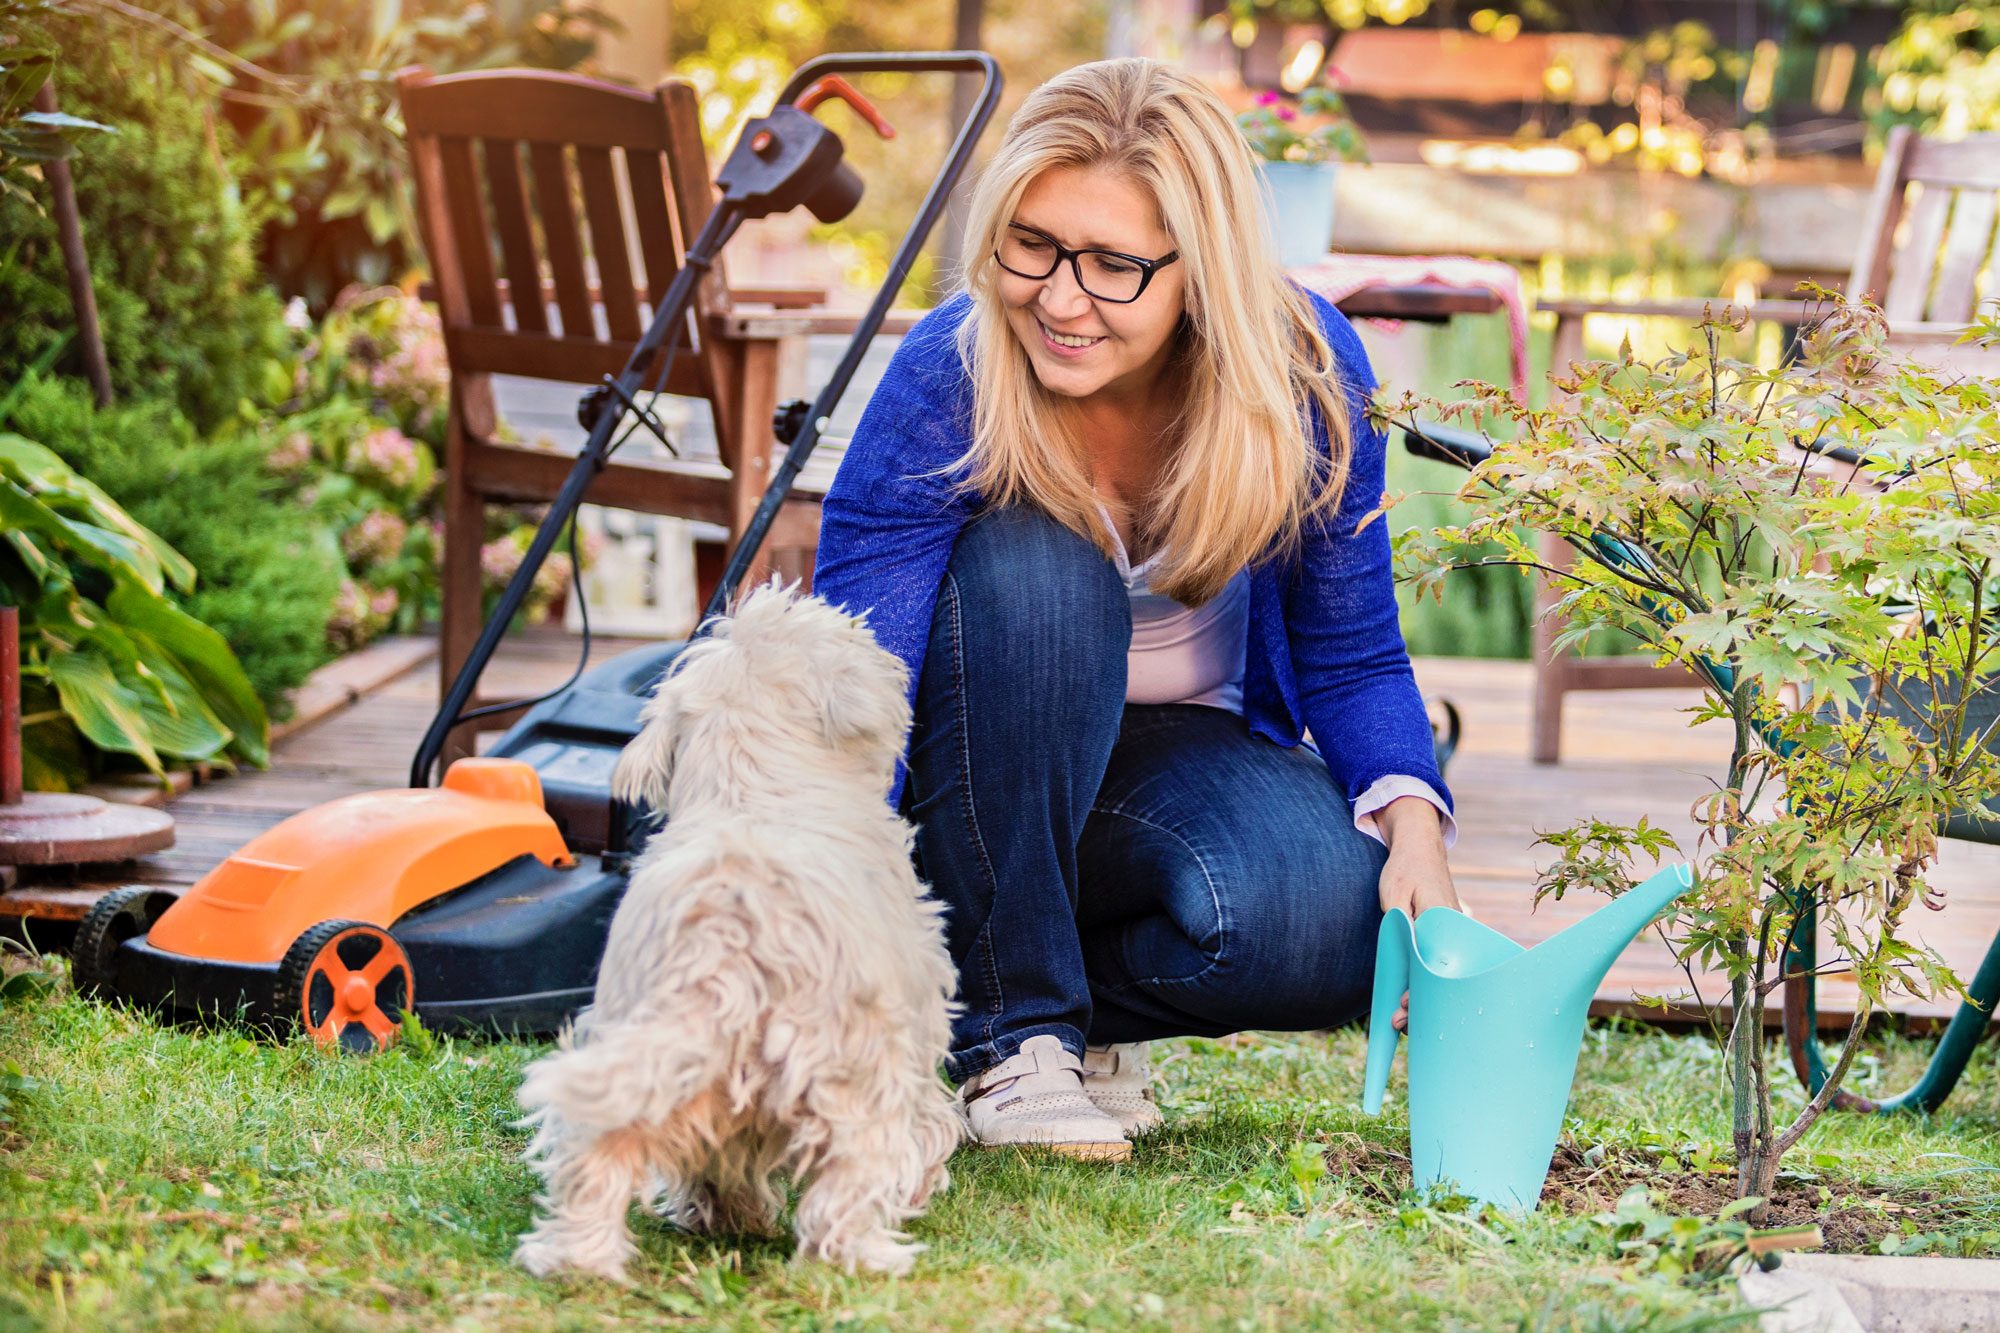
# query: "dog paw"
877,1254
543,1258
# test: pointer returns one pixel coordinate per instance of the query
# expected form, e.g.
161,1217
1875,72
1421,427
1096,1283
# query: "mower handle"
834,86
815,417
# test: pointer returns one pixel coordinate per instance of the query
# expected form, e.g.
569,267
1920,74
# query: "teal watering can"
1494,1030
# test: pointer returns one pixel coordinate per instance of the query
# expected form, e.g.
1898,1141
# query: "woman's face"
1081,345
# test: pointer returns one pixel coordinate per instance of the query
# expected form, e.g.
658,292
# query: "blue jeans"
1115,872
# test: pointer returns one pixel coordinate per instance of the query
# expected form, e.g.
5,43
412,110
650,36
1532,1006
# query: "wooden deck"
1626,754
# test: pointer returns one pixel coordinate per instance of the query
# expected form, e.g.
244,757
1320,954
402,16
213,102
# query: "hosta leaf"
38,469
181,724
53,758
101,707
37,562
133,671
115,553
208,661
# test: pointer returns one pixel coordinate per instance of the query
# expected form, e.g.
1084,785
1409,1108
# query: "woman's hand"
1417,876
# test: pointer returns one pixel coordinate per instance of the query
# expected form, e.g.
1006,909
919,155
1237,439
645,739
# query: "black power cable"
582,661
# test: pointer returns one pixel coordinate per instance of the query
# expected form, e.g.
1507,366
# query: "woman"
1109,504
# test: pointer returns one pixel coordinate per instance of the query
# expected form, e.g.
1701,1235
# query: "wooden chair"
592,191
1927,254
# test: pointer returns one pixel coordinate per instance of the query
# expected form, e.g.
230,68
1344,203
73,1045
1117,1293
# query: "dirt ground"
1852,1218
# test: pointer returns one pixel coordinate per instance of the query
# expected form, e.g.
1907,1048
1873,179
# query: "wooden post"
69,234
10,706
969,17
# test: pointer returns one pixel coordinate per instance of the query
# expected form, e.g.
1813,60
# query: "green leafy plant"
29,137
184,311
1693,1248
269,569
1940,72
1313,127
309,89
108,660
1839,612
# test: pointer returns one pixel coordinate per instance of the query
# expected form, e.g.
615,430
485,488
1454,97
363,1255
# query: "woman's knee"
1024,580
1297,950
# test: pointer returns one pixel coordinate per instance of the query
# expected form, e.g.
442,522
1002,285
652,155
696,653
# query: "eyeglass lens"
1102,275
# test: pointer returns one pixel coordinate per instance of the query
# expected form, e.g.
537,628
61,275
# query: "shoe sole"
1075,1152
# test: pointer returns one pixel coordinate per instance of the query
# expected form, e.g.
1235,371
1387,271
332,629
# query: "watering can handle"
1392,978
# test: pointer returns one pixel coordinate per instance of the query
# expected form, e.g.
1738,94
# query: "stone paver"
1839,1293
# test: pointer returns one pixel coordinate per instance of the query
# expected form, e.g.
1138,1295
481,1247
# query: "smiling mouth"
1066,340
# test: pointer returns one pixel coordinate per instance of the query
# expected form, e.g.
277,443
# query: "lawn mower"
483,903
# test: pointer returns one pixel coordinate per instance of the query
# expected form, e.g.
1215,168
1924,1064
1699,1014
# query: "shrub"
185,312
268,574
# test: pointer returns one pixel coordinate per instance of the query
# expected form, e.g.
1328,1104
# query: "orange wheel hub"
356,987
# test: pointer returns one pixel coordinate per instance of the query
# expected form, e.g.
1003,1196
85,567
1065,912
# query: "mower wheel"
119,915
348,984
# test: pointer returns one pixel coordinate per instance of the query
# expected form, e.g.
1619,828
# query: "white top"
1194,655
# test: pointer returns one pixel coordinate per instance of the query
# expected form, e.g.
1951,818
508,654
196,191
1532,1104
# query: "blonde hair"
1243,474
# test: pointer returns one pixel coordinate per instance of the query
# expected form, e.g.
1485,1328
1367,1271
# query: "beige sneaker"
1036,1099
1119,1082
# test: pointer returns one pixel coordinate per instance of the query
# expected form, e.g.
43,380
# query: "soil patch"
1852,1218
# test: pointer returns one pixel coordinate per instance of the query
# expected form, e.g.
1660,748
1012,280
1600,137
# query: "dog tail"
623,1074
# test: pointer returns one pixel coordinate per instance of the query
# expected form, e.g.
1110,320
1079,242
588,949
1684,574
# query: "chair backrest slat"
1971,163
1910,280
509,193
468,229
607,240
1928,242
694,191
647,173
536,106
581,193
556,203
1967,248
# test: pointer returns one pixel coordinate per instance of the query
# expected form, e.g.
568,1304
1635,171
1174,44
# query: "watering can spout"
1580,957
1394,945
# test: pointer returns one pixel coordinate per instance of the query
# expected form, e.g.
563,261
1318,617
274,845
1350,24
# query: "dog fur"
775,995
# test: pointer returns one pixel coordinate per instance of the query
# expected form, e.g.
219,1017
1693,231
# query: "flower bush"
358,445
1838,607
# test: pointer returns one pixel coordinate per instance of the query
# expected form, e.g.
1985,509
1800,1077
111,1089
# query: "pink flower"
392,457
550,581
291,456
498,560
376,539
1267,99
358,615
1287,113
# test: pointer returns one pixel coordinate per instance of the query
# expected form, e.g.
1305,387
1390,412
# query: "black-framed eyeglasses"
1106,275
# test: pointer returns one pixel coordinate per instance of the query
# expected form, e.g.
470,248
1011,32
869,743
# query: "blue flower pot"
1298,199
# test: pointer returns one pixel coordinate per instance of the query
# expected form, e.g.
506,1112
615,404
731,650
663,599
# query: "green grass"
162,1178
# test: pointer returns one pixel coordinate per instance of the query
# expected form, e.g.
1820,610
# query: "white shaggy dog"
775,993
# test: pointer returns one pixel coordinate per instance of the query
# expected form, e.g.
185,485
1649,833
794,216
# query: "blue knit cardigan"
1325,651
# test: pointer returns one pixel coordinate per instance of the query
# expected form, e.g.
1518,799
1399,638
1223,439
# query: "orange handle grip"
832,85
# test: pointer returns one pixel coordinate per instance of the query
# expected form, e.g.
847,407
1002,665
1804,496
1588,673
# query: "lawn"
162,1178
